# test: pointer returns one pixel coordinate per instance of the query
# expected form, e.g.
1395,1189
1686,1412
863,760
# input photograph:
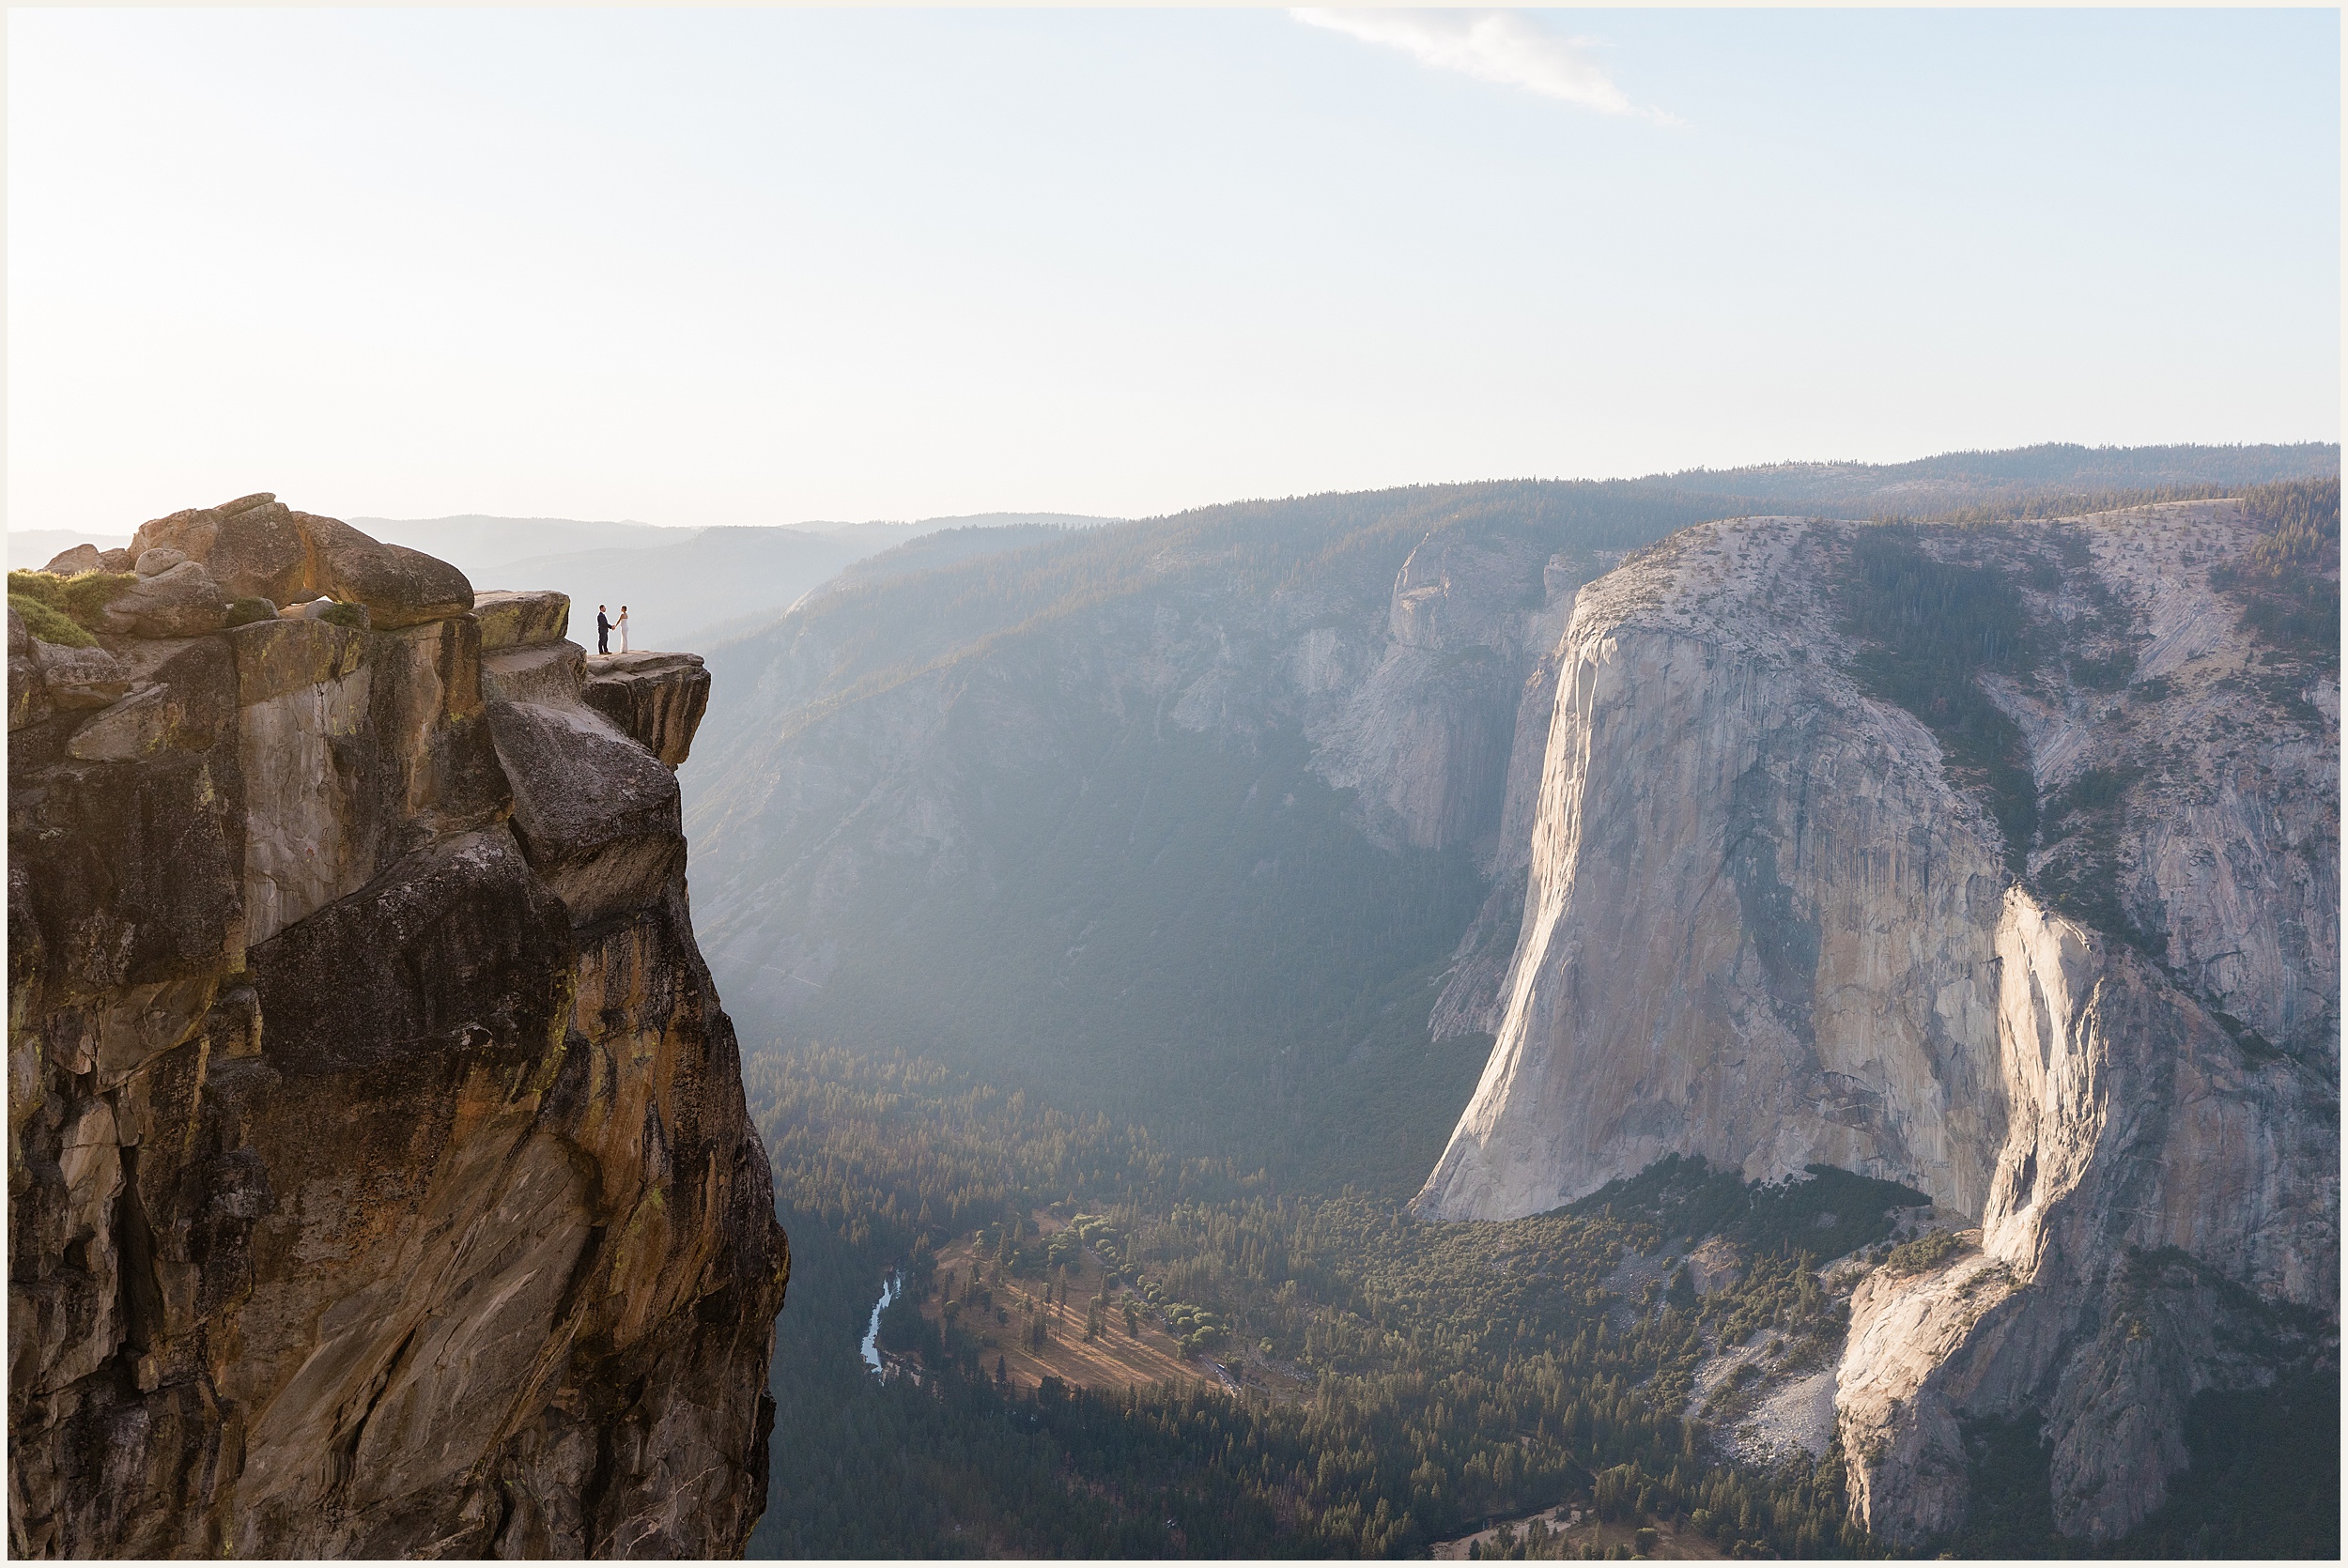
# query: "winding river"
871,1329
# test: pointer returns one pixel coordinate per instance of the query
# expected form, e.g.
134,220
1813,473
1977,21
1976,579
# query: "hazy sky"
762,266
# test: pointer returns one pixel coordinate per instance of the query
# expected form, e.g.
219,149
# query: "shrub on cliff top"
49,624
1928,628
2288,580
1927,1251
80,597
243,612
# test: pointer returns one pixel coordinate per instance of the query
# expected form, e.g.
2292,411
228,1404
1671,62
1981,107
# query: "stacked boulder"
193,566
380,1181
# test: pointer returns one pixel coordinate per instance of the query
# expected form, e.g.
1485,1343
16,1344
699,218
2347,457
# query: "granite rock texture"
511,619
73,562
656,699
379,1178
1766,922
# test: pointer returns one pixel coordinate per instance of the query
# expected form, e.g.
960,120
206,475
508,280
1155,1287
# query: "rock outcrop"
658,699
256,546
2088,1002
379,1178
81,557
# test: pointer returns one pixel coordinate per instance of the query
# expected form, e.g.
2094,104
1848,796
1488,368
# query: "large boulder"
656,698
551,673
191,531
597,816
282,656
523,619
455,946
259,553
82,677
250,544
73,562
399,587
181,602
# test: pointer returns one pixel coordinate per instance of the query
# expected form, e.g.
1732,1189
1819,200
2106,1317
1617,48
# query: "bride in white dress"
622,625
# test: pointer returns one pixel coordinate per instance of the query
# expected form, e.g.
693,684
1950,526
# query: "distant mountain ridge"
1961,478
684,586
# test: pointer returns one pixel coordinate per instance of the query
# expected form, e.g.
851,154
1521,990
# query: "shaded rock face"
379,1178
1767,924
656,698
1402,684
1424,729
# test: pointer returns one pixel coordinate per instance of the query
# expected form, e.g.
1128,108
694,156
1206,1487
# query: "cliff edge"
379,1178
2001,862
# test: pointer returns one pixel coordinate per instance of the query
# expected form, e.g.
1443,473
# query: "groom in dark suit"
603,631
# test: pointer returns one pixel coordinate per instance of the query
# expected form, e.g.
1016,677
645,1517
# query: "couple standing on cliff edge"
605,626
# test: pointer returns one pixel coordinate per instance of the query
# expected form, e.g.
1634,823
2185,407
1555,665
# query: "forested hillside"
685,587
1399,1383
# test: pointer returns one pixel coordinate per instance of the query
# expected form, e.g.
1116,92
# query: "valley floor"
1112,1358
1321,1374
1579,1531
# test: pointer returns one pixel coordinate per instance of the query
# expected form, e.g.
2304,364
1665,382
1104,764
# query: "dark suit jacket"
602,625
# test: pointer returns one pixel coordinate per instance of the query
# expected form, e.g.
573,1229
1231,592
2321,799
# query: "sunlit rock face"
1768,922
379,1178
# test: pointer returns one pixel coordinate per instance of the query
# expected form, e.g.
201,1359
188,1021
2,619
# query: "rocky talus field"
1997,861
378,1172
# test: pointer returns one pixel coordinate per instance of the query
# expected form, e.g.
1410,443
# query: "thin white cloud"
1506,47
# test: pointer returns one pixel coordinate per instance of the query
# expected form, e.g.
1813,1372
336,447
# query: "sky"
764,265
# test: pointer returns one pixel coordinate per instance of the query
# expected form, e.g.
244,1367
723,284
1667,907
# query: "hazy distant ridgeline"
684,587
2055,470
31,548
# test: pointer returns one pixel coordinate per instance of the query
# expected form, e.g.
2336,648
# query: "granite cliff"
2001,862
379,1178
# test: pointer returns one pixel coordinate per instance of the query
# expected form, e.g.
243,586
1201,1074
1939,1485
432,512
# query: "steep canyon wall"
379,1178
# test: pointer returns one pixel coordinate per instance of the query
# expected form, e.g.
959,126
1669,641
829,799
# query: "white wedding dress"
623,626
